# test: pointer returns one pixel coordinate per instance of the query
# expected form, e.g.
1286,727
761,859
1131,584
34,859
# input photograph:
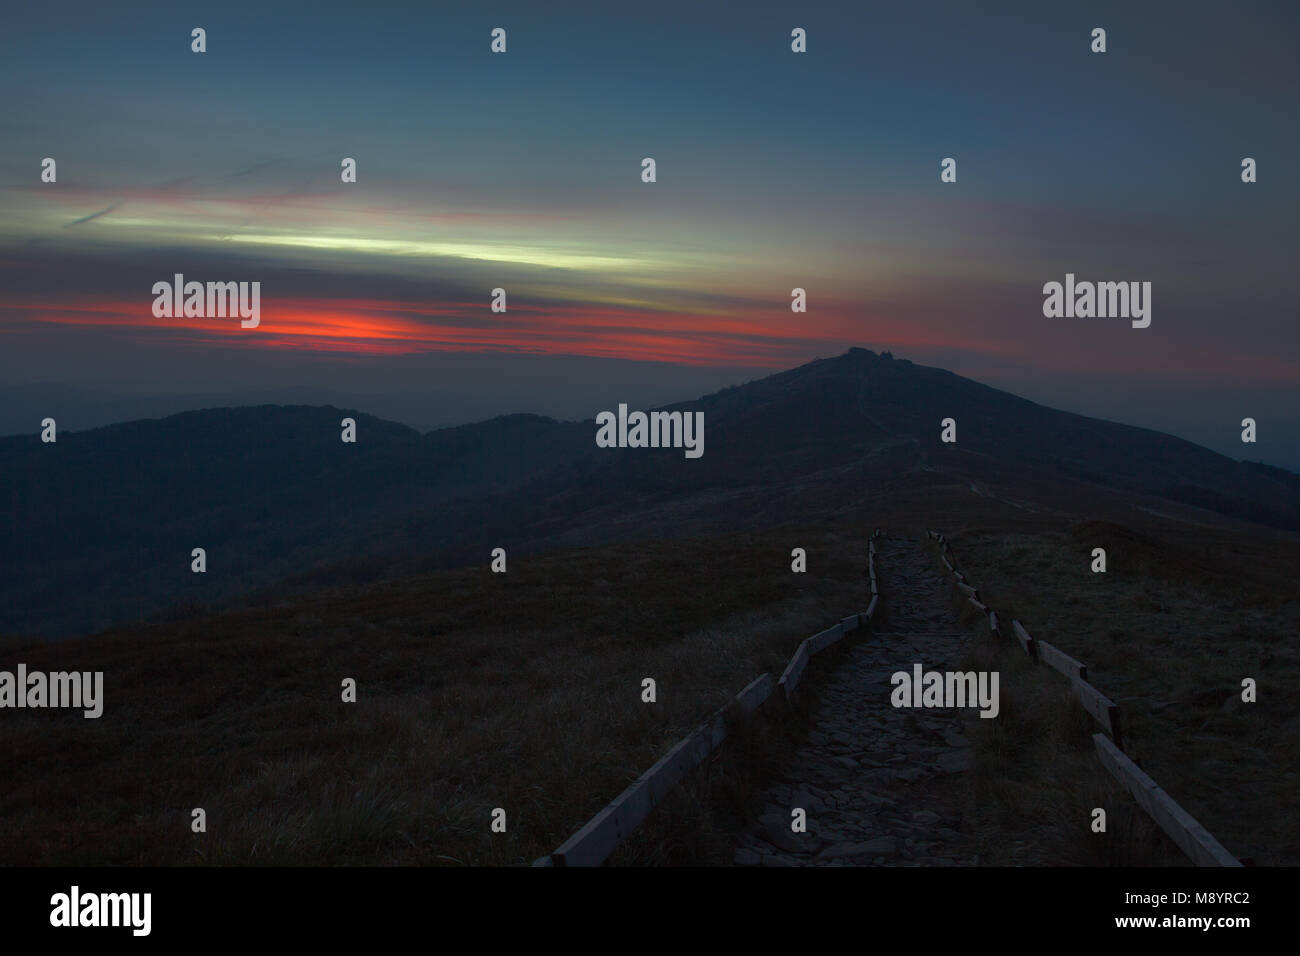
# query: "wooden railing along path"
1190,836
593,843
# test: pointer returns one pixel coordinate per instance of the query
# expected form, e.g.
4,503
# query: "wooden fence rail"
593,843
1192,838
1189,835
1057,659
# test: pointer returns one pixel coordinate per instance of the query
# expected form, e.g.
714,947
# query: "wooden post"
1101,707
1025,640
794,670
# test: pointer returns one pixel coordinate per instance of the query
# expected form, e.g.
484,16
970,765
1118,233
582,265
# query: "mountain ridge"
110,515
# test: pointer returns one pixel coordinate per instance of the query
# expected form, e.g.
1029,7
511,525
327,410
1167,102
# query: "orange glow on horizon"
758,337
373,327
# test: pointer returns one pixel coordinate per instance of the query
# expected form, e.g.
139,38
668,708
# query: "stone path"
875,780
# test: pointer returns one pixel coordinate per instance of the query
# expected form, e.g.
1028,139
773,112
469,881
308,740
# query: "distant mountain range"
22,406
432,390
98,528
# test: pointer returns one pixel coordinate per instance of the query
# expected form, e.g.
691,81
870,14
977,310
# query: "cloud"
93,215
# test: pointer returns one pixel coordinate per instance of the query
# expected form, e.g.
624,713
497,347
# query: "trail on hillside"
867,773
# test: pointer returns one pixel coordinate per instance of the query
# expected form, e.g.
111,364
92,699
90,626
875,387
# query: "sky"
775,170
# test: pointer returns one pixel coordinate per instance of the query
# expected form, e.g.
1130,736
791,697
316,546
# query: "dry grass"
702,820
475,691
1168,632
522,691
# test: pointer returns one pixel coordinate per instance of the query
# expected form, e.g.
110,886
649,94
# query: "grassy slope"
1168,632
475,691
522,691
